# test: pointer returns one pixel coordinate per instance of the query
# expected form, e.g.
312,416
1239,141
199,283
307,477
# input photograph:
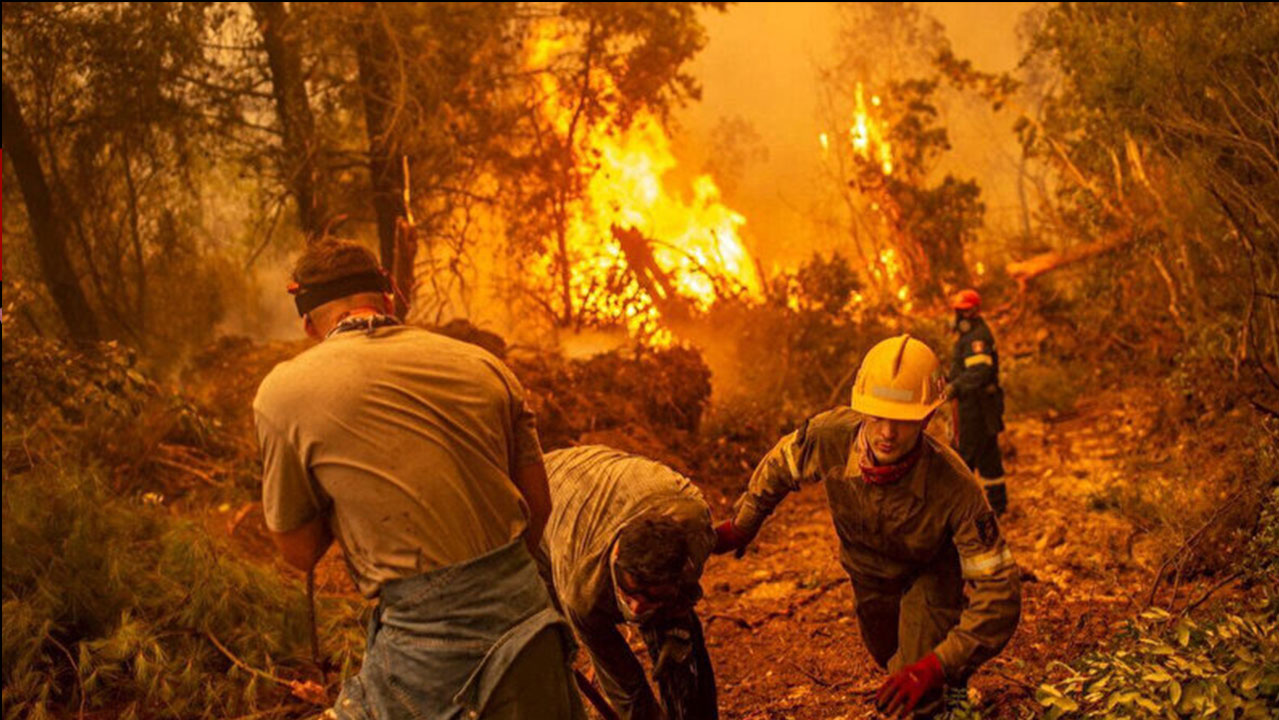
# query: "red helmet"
966,300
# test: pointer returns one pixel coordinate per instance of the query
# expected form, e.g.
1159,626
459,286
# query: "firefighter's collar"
915,480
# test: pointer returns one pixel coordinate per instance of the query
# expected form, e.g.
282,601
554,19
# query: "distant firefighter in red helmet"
974,382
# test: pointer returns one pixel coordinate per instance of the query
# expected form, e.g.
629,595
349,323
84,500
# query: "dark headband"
312,295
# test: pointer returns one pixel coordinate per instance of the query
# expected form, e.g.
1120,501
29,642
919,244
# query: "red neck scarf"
888,474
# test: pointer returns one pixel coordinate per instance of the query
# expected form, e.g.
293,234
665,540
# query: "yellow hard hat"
900,379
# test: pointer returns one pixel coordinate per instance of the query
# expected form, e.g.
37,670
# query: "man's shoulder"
301,372
577,459
287,378
981,331
835,428
595,466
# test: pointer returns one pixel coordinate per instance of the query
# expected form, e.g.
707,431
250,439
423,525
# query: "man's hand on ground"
905,688
730,538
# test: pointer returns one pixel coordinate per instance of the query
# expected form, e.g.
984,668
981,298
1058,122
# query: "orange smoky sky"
761,65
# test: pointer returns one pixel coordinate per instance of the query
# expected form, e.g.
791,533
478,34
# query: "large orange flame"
694,238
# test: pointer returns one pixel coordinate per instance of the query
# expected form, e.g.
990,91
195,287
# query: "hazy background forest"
681,224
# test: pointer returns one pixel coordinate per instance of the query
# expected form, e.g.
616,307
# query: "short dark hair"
653,548
331,258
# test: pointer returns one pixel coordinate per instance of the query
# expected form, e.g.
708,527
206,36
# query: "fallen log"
1026,270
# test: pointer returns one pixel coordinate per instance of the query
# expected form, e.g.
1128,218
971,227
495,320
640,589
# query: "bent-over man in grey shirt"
626,541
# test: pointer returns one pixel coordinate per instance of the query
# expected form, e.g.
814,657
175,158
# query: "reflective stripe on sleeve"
986,563
978,359
789,451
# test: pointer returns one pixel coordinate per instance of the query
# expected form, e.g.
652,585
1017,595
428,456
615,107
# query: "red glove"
905,688
730,538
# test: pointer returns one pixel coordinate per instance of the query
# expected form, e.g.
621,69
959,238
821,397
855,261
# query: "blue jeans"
443,644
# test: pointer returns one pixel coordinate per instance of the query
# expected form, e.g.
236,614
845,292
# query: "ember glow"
628,211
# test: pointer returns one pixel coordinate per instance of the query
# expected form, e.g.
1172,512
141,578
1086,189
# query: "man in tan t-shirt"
419,455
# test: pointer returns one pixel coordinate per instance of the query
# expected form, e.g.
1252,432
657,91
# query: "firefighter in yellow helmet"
913,523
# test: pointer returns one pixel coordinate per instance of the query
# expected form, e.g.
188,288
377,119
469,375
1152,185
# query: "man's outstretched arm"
782,471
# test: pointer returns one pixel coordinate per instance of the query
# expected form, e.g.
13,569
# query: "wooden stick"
593,695
75,668
310,616
1189,542
208,479
1208,593
241,664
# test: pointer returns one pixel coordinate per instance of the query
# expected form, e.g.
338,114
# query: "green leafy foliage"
1165,666
1041,382
111,603
1160,119
89,404
128,109
1260,564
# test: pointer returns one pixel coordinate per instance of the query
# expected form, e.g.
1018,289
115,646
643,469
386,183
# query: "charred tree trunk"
297,124
405,262
917,269
55,263
650,276
373,55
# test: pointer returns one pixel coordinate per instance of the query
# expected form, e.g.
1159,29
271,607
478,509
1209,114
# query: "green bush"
110,603
90,404
1161,667
1040,383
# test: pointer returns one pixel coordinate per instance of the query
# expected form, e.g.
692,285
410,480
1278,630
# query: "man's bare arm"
532,483
304,546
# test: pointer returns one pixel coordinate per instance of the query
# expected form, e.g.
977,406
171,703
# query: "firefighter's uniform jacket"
974,374
595,491
909,547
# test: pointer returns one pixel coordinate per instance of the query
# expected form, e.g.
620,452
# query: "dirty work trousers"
479,639
532,689
901,624
981,454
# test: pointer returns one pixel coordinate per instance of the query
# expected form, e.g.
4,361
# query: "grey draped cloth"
439,644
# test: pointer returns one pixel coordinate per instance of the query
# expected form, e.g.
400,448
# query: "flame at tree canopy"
869,135
693,240
867,140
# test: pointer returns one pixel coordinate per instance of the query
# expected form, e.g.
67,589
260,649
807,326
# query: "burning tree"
609,242
907,229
